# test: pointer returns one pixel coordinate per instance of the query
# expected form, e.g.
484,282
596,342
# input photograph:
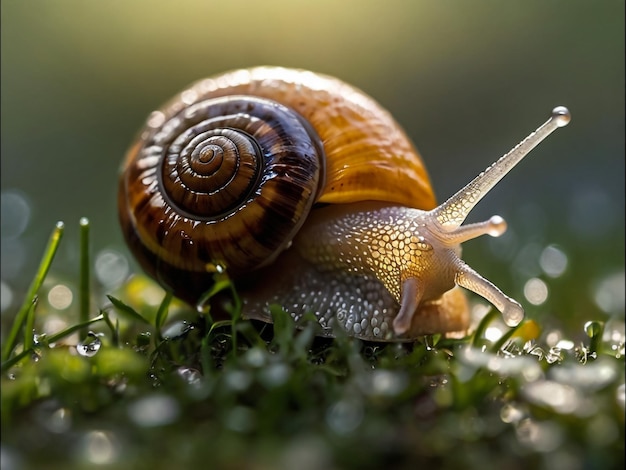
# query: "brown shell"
351,147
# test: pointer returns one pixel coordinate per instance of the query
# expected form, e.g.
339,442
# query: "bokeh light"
60,296
536,291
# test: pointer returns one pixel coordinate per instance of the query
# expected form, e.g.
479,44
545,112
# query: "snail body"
309,195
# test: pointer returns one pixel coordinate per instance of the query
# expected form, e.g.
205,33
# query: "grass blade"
220,285
127,310
161,315
594,330
84,294
29,340
505,337
482,327
115,331
71,329
44,266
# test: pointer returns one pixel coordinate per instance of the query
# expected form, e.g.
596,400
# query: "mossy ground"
139,385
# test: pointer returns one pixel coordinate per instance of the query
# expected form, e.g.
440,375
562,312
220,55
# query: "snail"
309,195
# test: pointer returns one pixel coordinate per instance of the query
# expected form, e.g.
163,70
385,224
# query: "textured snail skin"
332,166
347,264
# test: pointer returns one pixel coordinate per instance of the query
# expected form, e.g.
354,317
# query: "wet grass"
142,384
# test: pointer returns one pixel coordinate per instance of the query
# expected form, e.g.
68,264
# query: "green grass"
136,385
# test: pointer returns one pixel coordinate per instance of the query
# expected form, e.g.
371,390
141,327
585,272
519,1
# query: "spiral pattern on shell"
225,182
210,173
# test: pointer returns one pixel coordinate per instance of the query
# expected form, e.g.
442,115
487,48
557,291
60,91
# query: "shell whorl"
225,182
210,171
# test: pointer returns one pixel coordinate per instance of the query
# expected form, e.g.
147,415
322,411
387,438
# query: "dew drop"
143,339
189,375
618,349
615,336
584,354
428,343
215,267
90,346
532,349
593,328
554,355
203,307
561,116
177,329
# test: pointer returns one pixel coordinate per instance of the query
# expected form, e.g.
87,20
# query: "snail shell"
309,195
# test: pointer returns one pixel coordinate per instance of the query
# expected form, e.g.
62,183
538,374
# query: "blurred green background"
467,80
